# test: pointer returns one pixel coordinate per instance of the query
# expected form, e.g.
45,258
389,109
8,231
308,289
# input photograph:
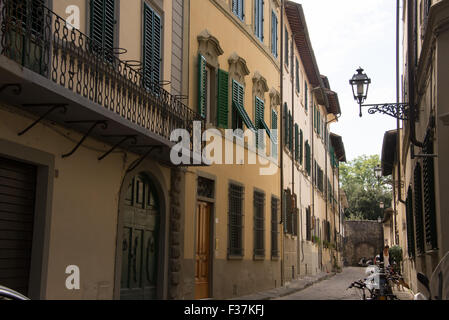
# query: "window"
286,124
296,142
298,87
259,224
290,131
429,194
410,224
301,150
308,225
274,34
306,93
238,8
274,140
235,223
152,37
259,19
286,47
419,222
102,26
274,227
308,158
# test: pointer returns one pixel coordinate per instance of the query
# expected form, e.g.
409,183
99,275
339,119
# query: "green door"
140,241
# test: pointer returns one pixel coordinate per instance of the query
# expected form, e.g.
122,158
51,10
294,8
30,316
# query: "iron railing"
37,38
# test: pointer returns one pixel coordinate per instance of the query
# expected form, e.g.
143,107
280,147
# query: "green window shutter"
222,99
102,26
290,131
259,120
308,159
285,117
238,95
152,47
410,224
274,140
296,142
202,86
301,150
306,98
419,221
430,218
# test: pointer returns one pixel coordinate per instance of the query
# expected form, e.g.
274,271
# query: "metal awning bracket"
94,123
118,144
54,107
150,150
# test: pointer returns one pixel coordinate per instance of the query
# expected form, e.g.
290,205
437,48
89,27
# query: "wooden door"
140,241
202,263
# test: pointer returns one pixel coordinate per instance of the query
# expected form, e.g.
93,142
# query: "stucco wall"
362,239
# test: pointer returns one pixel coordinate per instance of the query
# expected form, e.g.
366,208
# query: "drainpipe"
411,23
281,52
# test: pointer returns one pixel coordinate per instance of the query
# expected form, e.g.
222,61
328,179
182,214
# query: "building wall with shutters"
426,176
240,60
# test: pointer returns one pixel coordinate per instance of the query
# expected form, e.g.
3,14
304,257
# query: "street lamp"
360,85
382,205
378,172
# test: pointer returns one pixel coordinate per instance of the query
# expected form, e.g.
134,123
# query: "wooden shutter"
419,221
152,44
235,220
410,224
102,26
274,227
429,194
259,224
296,142
202,86
274,34
222,99
290,131
285,116
286,46
308,160
259,119
306,92
297,76
301,147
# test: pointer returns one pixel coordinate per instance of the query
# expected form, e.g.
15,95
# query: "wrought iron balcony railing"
38,39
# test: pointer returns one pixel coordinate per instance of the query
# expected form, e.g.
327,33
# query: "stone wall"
362,239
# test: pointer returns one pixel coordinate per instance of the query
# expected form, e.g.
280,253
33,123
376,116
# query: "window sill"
259,258
235,257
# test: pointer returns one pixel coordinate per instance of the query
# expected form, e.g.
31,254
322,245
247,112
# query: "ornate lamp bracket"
395,110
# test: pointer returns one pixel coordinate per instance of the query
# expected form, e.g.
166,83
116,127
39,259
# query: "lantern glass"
360,84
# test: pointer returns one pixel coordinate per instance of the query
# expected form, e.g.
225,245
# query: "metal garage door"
17,194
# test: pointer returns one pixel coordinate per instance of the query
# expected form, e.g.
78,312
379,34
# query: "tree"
363,190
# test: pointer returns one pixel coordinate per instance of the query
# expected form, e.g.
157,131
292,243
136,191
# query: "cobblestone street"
333,288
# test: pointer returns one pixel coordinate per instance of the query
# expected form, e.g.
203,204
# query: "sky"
346,35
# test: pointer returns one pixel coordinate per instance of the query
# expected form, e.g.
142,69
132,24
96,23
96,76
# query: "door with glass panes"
140,241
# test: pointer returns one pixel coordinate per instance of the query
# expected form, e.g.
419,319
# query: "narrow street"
333,288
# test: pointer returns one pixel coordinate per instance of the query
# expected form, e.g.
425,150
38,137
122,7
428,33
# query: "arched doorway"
140,240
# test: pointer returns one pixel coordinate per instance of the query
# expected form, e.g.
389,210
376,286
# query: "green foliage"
395,253
363,190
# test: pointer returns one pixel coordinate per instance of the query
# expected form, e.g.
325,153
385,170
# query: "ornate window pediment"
238,67
275,98
209,47
260,85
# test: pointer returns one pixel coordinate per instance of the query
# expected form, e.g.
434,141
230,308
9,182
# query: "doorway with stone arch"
140,240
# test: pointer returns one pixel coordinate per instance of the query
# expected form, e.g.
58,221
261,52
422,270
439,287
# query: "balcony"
57,73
